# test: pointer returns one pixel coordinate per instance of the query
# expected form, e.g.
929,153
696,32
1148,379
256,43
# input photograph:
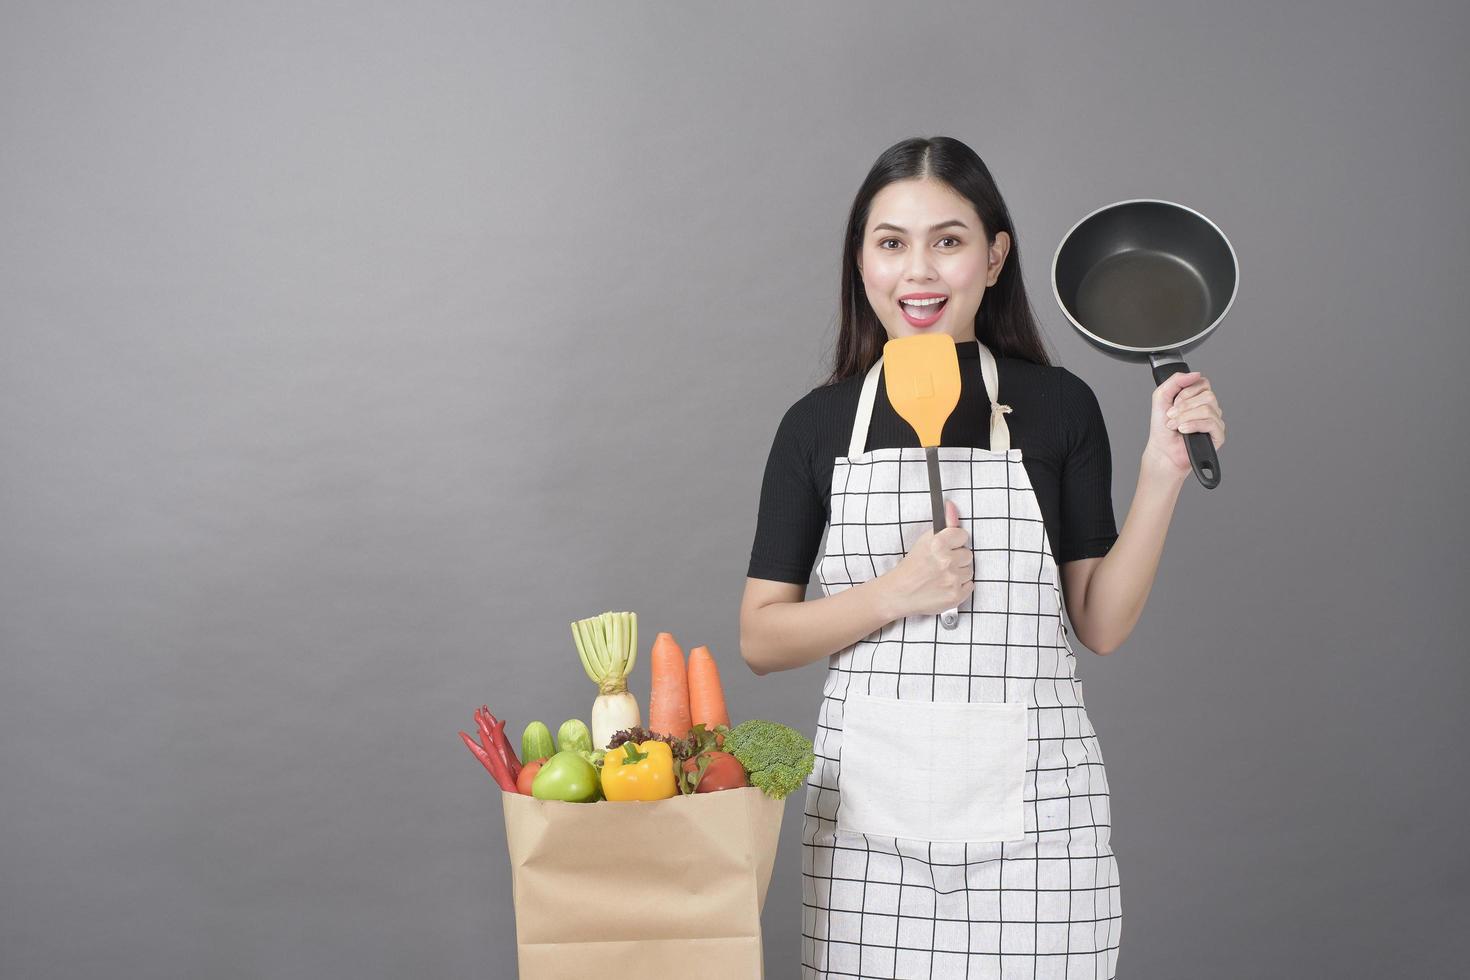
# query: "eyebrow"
904,231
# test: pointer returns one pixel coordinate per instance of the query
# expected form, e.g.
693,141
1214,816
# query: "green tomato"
568,777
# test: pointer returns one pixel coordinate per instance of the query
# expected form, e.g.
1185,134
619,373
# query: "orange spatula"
922,376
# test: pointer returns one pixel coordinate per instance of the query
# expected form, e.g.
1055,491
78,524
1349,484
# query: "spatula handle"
950,618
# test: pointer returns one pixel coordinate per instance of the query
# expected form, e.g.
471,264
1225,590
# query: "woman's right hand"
936,575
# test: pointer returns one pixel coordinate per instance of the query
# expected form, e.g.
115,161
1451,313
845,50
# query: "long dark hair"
1005,321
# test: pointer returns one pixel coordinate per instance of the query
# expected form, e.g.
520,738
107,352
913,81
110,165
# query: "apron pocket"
933,770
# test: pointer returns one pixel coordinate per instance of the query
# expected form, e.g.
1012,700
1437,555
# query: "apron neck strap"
1000,433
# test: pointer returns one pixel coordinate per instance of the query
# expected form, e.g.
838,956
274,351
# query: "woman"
957,820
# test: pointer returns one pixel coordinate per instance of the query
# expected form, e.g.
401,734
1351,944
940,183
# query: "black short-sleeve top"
1055,421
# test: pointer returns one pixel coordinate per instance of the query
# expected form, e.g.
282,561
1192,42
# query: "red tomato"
724,772
528,773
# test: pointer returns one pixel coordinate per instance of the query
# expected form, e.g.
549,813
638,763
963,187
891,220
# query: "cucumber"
574,735
536,743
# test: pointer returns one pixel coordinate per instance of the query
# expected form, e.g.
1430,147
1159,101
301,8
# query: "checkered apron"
975,840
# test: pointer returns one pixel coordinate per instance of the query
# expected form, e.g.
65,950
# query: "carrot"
668,696
706,697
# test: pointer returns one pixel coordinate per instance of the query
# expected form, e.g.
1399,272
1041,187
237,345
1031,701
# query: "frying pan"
921,374
1144,279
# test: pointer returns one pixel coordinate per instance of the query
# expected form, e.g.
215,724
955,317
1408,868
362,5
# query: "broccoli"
776,757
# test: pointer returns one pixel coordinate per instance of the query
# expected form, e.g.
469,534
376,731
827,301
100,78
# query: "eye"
946,238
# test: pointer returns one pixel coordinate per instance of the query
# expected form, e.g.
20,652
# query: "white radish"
608,646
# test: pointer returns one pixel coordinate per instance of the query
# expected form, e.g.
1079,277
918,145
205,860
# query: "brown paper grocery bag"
665,889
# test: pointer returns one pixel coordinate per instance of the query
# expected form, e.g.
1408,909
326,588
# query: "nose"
919,267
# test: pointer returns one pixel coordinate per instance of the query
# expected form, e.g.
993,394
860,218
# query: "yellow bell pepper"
641,772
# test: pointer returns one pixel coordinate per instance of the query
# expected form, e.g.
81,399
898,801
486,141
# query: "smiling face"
924,242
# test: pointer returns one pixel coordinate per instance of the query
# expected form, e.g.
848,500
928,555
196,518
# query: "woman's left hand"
1184,403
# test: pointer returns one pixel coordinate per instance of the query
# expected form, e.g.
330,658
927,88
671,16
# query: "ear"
996,256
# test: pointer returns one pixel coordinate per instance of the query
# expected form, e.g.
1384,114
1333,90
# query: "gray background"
352,351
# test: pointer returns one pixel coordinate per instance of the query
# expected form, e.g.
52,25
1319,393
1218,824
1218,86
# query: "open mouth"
924,312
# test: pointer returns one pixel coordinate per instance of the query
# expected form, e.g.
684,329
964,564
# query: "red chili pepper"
509,754
507,751
483,719
492,733
491,762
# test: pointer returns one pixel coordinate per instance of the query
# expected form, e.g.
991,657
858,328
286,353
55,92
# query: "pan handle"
1201,447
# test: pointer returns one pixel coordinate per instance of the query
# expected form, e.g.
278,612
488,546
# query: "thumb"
951,514
1173,384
